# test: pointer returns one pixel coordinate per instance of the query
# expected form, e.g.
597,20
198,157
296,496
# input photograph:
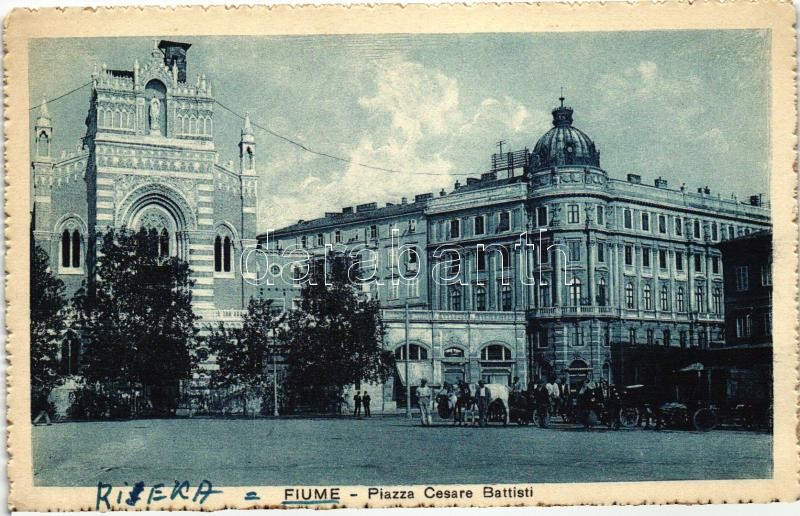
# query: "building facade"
537,267
148,160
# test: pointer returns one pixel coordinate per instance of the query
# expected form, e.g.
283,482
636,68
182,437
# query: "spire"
247,130
43,120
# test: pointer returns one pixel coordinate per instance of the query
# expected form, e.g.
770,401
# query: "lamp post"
408,378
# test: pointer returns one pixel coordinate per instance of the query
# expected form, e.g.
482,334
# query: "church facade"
148,160
542,266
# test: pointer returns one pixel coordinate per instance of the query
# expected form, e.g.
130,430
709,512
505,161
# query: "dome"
564,144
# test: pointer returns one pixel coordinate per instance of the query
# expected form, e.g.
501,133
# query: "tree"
48,316
333,340
244,354
137,323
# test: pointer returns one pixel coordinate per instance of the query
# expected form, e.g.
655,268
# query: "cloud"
414,123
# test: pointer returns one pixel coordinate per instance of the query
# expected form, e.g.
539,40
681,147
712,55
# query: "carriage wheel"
705,419
629,417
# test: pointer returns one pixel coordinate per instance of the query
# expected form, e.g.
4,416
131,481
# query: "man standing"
365,400
484,399
357,401
424,395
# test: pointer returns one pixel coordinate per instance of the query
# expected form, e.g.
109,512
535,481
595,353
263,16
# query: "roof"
341,219
764,234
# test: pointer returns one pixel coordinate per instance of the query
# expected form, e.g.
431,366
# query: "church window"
664,298
184,125
250,159
116,122
44,144
192,125
65,249
226,254
205,131
163,244
218,254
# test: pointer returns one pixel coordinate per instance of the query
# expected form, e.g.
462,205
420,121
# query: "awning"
417,370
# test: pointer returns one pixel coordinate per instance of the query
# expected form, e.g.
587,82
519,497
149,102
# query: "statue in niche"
155,116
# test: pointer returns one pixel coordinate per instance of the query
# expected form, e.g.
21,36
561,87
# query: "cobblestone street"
388,450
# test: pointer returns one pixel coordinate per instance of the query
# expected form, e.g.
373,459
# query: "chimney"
635,179
348,209
661,182
404,200
755,200
175,53
442,193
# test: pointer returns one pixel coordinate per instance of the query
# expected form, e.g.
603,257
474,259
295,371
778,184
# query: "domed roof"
564,144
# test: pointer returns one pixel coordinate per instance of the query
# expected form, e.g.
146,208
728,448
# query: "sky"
689,106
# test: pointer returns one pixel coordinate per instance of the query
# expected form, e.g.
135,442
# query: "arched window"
496,353
70,354
226,254
480,299
44,144
415,351
454,352
575,292
647,297
184,125
455,298
680,300
505,298
117,122
250,159
601,292
664,297
76,249
163,244
65,249
218,254
717,301
700,298
629,300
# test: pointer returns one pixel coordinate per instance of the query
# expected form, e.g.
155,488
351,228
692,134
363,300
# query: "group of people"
460,397
359,401
591,402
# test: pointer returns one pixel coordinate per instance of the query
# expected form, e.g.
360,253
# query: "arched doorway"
497,363
577,373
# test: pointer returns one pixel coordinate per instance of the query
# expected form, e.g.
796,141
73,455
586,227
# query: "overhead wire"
289,140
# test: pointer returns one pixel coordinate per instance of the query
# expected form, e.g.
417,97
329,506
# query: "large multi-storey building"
148,161
612,262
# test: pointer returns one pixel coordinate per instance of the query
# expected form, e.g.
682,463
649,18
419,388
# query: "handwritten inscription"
140,495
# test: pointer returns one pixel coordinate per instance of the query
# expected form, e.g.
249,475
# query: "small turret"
247,148
43,132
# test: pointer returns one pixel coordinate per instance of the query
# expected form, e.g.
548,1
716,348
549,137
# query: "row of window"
190,125
116,119
504,299
663,259
479,226
680,298
490,353
694,227
744,325
339,236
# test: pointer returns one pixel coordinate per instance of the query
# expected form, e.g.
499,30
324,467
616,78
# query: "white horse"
497,392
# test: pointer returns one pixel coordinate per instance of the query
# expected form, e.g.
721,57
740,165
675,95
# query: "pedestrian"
541,397
484,398
365,400
424,396
357,400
